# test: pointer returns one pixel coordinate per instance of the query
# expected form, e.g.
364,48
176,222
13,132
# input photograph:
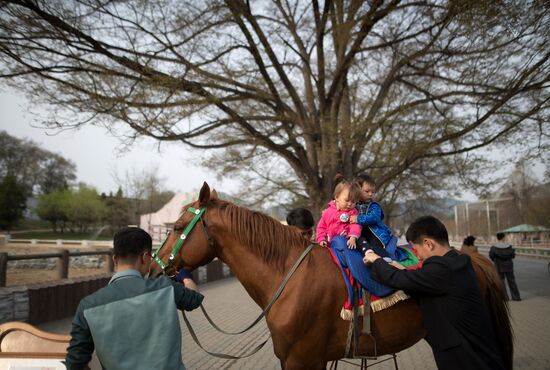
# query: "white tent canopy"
159,222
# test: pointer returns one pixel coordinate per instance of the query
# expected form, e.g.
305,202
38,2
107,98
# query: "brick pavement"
232,309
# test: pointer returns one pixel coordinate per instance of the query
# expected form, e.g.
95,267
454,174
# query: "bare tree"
143,189
295,91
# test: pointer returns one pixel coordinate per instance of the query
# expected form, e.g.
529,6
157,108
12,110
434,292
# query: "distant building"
525,233
159,223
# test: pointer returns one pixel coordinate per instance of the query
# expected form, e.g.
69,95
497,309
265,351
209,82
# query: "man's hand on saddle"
352,242
323,243
370,257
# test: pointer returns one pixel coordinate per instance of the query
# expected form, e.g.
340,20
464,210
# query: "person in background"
468,245
502,255
302,219
132,323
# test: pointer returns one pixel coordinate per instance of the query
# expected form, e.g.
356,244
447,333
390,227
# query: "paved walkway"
232,309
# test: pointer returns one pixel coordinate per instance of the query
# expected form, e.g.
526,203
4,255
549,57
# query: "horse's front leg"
304,355
311,364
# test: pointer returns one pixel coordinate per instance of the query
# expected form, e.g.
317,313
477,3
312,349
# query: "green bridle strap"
198,213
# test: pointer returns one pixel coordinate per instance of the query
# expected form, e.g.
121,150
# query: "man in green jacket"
132,323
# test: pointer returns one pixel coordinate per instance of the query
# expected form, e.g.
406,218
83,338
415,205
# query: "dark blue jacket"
371,218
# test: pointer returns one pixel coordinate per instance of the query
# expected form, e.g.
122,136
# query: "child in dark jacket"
375,234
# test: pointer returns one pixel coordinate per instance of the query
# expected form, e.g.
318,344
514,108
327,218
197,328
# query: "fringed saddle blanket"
357,275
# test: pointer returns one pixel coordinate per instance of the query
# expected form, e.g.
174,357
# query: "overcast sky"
97,156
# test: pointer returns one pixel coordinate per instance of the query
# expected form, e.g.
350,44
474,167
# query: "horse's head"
189,245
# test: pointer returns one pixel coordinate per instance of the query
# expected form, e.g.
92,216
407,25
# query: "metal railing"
540,251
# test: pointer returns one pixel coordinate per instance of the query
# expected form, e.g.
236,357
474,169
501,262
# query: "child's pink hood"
330,224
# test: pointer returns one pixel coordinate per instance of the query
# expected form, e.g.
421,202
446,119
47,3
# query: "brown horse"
304,322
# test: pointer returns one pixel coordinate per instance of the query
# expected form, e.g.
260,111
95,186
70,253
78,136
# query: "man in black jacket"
502,255
456,319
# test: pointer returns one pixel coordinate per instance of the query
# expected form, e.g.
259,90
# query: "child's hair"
340,183
301,218
500,236
469,240
363,178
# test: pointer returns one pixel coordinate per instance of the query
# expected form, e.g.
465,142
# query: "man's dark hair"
427,227
301,218
130,242
500,236
469,240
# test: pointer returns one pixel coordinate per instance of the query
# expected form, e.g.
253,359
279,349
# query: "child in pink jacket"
335,219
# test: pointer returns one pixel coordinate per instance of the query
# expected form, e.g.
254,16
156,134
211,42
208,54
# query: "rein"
264,312
198,216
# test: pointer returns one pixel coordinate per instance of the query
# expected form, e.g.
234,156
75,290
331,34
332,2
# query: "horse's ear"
213,194
204,195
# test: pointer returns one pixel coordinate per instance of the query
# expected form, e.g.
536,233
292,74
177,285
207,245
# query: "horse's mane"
496,300
263,235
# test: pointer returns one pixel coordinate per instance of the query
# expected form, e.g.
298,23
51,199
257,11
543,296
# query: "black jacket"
453,311
502,255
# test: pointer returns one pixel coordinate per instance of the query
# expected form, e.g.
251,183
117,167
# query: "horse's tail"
497,303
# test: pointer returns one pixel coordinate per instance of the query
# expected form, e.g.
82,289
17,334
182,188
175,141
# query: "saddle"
357,275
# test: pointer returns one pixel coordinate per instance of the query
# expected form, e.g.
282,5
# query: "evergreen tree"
12,202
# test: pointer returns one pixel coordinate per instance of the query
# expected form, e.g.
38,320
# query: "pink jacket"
330,224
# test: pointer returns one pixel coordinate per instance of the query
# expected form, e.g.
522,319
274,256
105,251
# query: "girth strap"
366,314
353,331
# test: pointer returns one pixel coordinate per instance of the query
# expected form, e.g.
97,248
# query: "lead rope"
264,312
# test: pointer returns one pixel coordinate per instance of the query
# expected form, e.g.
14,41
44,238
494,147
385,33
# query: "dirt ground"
23,276
17,277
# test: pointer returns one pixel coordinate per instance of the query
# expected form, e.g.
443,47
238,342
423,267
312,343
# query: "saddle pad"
353,260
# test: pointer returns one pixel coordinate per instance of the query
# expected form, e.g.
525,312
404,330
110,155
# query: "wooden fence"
48,301
99,243
62,261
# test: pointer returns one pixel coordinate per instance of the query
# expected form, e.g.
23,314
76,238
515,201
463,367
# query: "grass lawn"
32,225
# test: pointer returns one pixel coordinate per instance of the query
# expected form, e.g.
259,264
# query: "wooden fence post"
63,265
3,268
109,264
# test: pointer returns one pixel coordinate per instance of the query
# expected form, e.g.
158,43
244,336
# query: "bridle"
165,267
168,268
